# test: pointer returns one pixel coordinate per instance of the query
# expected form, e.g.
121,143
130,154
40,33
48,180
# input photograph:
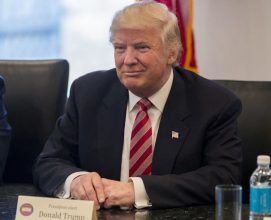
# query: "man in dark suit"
191,125
5,131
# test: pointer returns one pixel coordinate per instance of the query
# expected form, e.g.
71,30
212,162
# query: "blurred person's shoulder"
2,85
2,82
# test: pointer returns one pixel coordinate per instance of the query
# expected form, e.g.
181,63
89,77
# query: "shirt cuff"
142,199
64,190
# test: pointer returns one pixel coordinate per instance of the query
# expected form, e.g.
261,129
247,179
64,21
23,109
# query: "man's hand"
118,193
88,187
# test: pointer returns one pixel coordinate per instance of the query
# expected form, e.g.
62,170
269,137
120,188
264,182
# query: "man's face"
142,62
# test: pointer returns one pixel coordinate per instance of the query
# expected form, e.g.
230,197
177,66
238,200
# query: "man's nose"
130,56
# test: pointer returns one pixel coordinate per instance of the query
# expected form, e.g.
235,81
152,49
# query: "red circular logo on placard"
26,209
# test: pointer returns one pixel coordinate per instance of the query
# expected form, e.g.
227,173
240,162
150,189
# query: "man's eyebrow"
141,42
117,42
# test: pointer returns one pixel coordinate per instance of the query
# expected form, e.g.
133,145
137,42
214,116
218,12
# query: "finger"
107,188
111,201
99,188
82,188
91,195
90,191
76,188
78,192
106,205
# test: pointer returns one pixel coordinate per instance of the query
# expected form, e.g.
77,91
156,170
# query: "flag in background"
183,10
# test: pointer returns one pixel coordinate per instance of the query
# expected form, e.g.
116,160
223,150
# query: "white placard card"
42,208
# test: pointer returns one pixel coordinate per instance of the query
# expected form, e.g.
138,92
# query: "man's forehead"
135,35
135,41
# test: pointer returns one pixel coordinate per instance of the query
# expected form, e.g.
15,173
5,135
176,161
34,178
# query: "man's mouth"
132,73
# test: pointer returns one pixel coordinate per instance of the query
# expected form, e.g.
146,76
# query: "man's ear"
172,57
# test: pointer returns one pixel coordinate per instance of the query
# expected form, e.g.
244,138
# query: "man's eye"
143,48
119,49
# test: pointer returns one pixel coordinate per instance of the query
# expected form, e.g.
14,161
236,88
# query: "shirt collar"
158,99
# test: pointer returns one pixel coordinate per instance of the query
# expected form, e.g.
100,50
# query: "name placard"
42,208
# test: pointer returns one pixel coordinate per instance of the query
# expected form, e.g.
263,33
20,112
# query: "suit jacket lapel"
167,145
111,118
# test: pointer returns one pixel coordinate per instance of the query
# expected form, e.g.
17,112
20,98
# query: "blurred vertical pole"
183,9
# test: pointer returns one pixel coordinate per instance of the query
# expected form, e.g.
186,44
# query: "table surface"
9,194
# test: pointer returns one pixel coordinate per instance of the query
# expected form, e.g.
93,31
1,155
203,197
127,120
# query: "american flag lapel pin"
174,135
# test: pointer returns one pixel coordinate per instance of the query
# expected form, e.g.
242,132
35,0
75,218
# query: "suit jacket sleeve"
86,137
59,156
5,130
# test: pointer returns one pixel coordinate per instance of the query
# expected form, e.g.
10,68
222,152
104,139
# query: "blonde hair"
150,14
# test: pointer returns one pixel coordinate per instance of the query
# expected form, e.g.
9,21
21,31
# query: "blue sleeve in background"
5,130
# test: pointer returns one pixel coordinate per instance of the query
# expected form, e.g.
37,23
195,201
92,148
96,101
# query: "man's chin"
134,88
138,90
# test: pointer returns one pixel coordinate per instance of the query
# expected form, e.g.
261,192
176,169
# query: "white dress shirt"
158,101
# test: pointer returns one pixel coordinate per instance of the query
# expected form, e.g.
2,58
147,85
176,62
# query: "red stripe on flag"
183,12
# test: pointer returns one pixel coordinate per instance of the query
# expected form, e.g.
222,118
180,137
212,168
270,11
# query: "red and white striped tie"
141,142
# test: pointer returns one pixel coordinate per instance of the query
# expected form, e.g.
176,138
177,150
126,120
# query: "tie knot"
144,104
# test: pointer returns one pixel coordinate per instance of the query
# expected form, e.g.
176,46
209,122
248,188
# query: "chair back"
36,92
254,123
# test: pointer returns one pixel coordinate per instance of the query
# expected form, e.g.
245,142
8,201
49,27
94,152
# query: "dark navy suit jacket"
89,136
5,130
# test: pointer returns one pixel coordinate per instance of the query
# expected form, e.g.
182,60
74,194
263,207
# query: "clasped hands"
104,192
